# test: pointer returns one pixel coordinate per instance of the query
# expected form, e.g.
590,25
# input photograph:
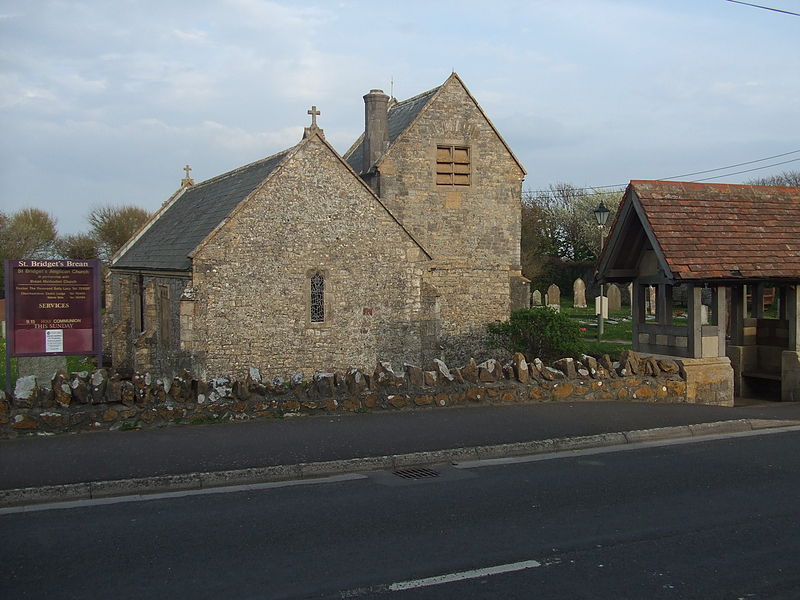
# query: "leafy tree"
539,332
27,233
78,246
790,178
112,226
558,226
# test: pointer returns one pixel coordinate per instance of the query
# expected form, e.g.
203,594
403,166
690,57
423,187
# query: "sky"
103,103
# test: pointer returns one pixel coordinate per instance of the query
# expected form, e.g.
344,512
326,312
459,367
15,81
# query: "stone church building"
401,250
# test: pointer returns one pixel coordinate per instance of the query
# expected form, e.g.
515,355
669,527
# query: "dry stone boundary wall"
127,400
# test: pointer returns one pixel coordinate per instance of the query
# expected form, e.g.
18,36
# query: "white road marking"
463,575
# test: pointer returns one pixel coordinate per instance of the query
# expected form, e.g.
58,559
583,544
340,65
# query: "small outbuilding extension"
727,257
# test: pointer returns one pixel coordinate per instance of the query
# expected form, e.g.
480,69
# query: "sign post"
52,309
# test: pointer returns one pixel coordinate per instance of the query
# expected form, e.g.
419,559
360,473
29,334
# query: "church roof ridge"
417,97
237,170
190,215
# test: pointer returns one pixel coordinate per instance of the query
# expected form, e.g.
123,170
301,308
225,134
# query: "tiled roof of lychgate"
166,244
400,117
721,231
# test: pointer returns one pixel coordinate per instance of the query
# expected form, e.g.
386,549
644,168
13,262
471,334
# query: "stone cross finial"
187,181
314,112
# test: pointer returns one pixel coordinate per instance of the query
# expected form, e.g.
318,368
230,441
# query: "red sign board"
53,307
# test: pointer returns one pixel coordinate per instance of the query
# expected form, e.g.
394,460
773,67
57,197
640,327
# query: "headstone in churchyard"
579,293
630,297
651,300
554,297
536,298
614,298
703,314
597,304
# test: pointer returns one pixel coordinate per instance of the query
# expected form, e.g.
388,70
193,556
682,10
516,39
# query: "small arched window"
317,298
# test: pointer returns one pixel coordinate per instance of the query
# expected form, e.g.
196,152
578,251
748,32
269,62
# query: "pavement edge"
199,481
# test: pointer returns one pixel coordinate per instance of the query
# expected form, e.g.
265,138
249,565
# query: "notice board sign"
52,307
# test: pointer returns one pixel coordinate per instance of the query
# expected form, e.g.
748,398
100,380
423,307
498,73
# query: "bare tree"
78,246
112,226
788,178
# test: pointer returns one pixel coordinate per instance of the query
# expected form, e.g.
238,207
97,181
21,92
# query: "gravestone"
614,298
598,301
579,293
536,298
703,314
651,300
554,297
630,296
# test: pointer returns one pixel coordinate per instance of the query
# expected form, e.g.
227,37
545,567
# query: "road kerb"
654,435
347,465
772,423
589,441
720,427
45,494
145,485
214,479
196,481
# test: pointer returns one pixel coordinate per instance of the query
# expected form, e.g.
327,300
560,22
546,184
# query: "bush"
539,332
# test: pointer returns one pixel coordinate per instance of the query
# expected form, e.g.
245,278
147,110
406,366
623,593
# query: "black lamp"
601,214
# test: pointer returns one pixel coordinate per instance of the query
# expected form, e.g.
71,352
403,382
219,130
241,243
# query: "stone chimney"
376,128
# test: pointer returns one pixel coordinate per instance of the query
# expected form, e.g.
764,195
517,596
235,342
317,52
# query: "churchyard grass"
617,330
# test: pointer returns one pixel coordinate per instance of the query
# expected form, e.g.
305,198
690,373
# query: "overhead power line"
748,170
741,164
777,10
749,162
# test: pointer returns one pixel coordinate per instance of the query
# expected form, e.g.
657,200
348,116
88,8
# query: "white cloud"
15,93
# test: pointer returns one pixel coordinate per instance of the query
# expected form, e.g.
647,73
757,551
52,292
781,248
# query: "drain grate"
418,473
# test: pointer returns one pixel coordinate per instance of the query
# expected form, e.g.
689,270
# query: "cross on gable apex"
314,113
313,128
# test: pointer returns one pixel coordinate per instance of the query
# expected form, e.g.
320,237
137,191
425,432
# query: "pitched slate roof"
173,234
400,116
722,231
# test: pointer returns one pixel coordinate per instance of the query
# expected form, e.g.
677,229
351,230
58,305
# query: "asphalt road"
713,519
110,455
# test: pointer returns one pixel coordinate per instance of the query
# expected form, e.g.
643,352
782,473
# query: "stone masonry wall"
472,232
469,298
252,279
97,401
479,223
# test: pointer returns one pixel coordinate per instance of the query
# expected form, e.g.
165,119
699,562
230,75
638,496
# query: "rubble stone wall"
128,400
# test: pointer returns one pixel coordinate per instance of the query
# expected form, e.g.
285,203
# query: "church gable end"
454,183
310,272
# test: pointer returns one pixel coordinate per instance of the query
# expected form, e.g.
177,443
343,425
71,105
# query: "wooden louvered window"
452,165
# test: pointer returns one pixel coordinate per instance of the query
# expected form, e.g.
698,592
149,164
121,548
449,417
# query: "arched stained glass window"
317,298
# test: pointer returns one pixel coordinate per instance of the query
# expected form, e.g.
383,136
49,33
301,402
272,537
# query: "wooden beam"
720,304
695,338
664,304
793,316
738,314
